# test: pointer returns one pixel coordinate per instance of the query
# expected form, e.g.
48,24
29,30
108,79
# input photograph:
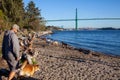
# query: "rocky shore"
58,63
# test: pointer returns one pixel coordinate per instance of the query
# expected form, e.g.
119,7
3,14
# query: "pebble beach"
58,63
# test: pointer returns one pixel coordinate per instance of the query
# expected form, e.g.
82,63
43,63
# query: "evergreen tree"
33,16
14,10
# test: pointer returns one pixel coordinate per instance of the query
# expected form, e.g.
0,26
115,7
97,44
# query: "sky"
65,9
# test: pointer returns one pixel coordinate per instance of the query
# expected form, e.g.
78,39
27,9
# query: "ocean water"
105,41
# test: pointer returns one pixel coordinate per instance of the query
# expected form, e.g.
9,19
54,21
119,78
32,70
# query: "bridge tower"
76,21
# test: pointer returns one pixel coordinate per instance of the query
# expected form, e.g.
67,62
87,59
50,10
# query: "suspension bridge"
76,19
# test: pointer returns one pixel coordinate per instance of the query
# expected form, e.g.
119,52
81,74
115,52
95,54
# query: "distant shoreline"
103,28
108,28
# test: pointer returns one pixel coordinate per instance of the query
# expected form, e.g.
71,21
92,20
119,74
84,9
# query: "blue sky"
65,9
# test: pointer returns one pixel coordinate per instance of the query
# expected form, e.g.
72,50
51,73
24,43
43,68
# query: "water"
105,41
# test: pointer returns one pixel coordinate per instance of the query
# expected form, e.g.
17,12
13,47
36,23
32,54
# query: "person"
10,50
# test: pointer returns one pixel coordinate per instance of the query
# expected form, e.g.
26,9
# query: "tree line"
14,12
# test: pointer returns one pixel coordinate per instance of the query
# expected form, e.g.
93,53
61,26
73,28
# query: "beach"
58,63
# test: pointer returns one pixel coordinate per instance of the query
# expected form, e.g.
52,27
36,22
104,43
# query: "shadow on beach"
4,75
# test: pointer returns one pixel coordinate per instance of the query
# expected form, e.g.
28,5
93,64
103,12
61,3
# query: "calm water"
106,41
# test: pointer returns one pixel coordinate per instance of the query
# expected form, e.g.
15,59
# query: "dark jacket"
10,45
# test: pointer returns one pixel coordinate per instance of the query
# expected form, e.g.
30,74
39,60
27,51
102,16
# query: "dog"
28,69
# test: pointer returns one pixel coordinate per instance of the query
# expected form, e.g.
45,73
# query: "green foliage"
1,14
33,16
3,23
13,11
34,61
0,52
1,38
